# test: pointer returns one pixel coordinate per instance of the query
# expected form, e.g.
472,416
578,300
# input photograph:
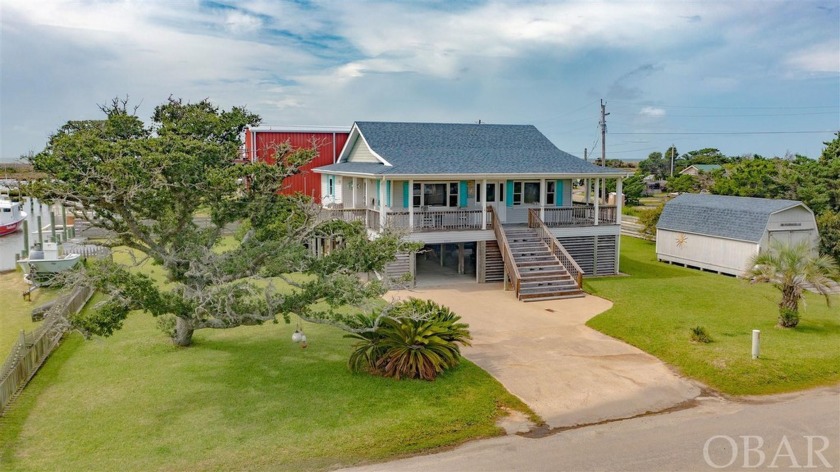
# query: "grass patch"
238,399
656,307
16,313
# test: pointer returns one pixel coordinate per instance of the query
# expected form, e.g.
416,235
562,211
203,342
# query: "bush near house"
414,339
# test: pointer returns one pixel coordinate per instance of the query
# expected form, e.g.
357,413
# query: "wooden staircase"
494,265
542,276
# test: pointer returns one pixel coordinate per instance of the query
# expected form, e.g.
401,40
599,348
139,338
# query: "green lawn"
239,399
658,303
15,312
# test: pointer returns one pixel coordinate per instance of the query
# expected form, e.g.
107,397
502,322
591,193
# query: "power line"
567,113
806,107
731,132
736,116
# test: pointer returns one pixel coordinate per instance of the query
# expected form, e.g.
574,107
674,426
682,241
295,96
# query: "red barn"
261,142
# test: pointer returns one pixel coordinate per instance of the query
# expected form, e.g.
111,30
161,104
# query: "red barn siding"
261,144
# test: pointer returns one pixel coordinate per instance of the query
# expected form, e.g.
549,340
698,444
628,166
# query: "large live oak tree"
146,185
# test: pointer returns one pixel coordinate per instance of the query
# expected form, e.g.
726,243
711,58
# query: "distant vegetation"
815,182
18,171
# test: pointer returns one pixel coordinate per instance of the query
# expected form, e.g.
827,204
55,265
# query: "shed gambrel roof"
741,218
444,148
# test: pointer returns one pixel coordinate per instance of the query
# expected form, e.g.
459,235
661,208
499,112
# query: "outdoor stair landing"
543,276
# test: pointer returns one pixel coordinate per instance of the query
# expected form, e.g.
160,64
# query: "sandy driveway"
542,352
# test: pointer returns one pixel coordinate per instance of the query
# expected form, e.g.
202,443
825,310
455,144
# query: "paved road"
668,442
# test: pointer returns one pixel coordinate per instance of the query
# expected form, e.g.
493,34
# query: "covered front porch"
419,206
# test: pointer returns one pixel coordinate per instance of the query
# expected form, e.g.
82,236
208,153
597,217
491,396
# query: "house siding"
260,146
361,153
727,256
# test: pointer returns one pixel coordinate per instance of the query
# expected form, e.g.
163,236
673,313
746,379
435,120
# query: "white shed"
720,233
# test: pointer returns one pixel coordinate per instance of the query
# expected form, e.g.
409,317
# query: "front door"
495,197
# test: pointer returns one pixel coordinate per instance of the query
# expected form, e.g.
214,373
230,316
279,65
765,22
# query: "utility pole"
603,124
672,159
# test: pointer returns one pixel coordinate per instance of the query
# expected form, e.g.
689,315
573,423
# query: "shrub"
414,339
648,219
788,318
699,335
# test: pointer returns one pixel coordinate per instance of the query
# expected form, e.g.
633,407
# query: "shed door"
791,237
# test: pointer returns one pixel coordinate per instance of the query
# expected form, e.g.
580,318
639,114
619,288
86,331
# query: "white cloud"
652,112
819,58
333,62
238,22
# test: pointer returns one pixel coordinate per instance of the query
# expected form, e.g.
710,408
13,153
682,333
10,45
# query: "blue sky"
742,76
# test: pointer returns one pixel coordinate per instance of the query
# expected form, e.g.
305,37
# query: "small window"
453,194
526,193
549,192
416,196
330,186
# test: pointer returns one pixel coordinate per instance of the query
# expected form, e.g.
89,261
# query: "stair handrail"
504,249
544,233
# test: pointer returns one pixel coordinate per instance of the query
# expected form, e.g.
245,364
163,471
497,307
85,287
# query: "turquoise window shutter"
405,194
388,192
463,195
558,193
378,188
509,193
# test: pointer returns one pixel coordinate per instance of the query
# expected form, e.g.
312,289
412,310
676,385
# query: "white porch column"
484,204
597,199
355,190
382,204
619,203
410,204
542,199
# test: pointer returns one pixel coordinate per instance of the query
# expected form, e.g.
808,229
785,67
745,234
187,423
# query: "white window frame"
519,198
448,184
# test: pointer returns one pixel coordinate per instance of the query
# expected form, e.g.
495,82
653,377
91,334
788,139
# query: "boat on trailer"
11,216
43,265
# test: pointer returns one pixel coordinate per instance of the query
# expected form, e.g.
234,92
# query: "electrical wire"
728,132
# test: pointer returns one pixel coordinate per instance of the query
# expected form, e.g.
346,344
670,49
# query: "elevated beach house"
489,201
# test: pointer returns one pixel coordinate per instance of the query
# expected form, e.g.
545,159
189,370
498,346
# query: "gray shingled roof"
440,148
741,218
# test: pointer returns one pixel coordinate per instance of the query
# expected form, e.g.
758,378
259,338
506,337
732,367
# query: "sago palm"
414,339
792,268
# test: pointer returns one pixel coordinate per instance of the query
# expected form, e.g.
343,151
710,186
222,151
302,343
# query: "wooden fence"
32,349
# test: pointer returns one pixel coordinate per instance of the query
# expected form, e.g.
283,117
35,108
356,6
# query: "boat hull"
49,266
9,228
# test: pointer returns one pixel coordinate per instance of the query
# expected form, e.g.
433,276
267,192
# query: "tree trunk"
789,307
790,299
183,332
